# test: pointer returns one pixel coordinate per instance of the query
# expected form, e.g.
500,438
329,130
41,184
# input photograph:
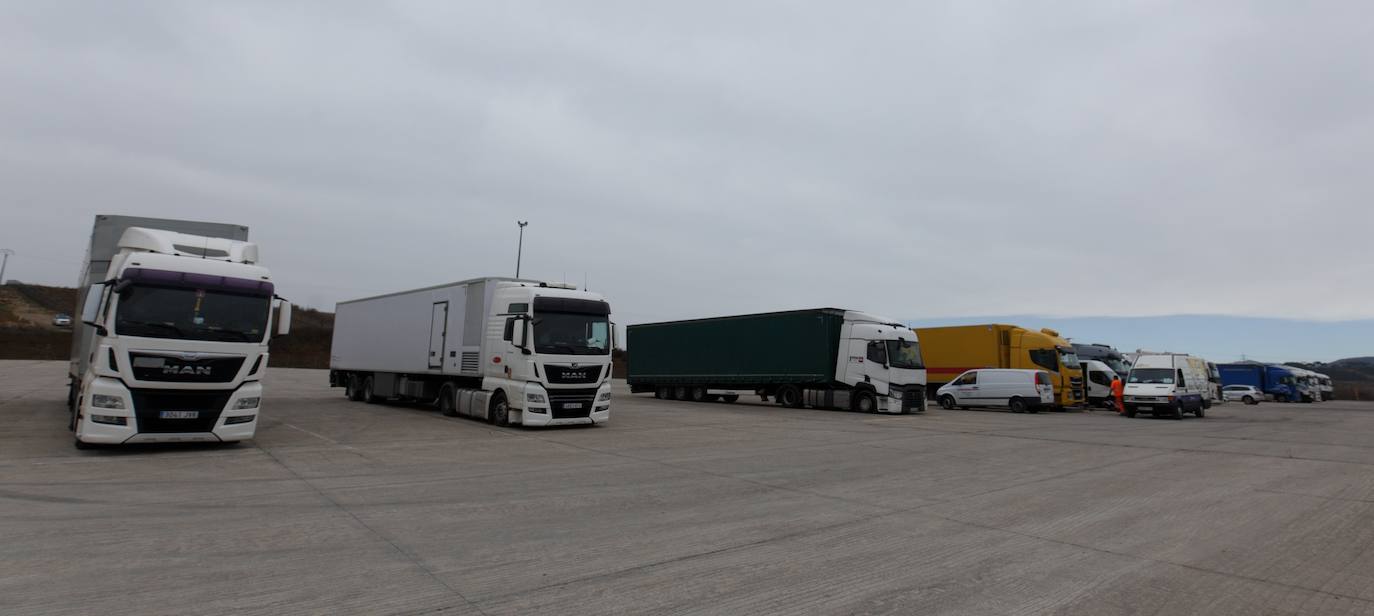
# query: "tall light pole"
520,248
4,260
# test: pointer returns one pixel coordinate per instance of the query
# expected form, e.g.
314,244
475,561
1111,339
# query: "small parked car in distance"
1245,393
62,320
1018,390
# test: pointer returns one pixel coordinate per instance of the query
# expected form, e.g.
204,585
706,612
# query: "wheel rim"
789,397
866,404
499,412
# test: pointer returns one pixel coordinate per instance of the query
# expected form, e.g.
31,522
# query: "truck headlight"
239,419
102,401
536,398
604,396
895,394
247,403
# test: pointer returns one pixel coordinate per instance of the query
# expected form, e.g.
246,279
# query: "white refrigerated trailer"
504,350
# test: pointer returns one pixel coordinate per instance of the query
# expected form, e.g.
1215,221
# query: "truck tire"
500,411
697,394
730,398
865,402
661,393
789,396
1017,405
352,389
447,407
947,402
681,393
1178,411
1201,412
368,397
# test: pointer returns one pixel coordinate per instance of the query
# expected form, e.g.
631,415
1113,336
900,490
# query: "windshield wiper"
176,330
234,334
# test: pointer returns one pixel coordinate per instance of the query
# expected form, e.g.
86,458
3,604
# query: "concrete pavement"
681,508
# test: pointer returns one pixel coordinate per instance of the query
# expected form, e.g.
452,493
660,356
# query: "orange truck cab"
951,351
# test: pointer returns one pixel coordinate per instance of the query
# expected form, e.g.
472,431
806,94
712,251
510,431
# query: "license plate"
572,405
178,414
1144,408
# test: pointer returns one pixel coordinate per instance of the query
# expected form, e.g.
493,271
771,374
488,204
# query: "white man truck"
503,350
176,318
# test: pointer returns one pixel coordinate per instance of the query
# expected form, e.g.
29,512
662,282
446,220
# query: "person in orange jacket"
1119,394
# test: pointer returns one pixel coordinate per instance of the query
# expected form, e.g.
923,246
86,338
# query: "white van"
1018,390
1168,385
1098,375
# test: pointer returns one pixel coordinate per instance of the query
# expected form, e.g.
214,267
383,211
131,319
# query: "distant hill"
27,332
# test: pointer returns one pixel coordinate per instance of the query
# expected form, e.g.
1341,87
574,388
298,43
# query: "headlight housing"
604,396
247,403
536,398
103,401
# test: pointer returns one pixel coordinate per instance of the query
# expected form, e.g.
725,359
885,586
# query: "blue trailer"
1275,381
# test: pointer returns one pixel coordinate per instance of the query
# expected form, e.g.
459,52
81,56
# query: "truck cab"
883,357
180,329
550,354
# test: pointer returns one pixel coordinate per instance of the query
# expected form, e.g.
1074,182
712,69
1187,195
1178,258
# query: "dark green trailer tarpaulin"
799,346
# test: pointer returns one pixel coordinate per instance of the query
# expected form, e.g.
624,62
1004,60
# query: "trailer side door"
438,333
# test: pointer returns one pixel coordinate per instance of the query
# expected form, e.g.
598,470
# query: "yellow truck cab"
951,351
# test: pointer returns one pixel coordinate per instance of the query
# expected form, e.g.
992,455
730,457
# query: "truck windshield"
566,333
904,354
1069,359
1152,376
191,314
1117,365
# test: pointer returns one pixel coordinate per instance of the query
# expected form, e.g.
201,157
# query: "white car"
1245,393
62,320
1018,390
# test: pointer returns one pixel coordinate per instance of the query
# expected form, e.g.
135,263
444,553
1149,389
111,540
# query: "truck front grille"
171,368
567,375
571,403
149,404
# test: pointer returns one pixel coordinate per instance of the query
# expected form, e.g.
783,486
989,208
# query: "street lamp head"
522,223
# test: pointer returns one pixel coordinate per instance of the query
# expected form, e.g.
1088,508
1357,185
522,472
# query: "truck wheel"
789,396
730,398
446,405
681,393
352,390
1017,405
864,402
500,411
1248,399
1201,412
661,393
947,402
697,394
1178,411
368,396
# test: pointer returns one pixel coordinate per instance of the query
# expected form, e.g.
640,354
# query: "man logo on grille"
182,370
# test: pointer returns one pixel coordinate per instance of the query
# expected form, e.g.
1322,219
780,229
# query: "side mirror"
518,335
284,318
90,309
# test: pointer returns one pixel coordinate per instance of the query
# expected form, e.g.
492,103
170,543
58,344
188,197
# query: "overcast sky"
914,159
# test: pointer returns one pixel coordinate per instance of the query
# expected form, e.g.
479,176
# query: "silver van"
1018,390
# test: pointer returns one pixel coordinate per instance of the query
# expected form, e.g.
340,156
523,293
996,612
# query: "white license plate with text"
179,415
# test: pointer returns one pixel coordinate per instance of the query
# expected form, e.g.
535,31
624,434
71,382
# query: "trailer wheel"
789,396
368,396
864,402
696,394
446,405
500,411
352,390
662,393
1017,405
681,393
730,398
947,402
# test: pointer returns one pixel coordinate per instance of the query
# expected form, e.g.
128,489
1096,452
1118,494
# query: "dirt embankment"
27,332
